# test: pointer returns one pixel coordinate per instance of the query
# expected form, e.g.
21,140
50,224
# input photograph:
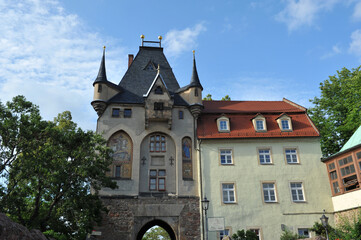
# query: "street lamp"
324,221
205,205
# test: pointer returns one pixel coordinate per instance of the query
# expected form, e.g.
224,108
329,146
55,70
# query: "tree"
226,98
51,168
337,113
208,97
244,235
288,235
156,233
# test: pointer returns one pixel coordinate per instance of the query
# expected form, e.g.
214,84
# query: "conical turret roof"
195,79
102,75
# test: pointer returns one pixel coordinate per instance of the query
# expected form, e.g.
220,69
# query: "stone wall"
127,216
349,215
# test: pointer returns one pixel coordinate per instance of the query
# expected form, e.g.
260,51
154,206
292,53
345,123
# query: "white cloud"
303,12
355,45
335,51
48,55
357,12
179,41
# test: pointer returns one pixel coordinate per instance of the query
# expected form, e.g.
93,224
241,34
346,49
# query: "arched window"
157,143
122,147
187,170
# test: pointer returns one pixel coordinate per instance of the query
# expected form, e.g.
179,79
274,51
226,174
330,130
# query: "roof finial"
142,37
194,53
104,47
160,40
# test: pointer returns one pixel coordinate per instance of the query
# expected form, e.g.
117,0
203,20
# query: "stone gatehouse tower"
149,121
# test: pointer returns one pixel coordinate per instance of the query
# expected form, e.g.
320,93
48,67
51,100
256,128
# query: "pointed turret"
102,75
195,79
103,89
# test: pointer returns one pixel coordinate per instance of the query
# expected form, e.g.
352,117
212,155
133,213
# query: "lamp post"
205,205
324,221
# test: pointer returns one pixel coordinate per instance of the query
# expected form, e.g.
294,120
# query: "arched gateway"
159,223
149,122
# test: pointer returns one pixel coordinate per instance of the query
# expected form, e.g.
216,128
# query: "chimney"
130,59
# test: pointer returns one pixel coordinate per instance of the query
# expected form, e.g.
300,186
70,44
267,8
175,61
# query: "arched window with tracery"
187,169
122,147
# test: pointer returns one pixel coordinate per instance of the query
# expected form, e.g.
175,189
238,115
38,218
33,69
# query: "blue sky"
50,50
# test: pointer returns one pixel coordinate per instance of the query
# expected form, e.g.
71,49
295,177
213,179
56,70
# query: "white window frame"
297,191
223,124
228,156
285,118
264,156
269,190
228,191
292,153
259,123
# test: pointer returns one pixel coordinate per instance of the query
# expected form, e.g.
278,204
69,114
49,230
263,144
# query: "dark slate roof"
137,80
194,79
102,75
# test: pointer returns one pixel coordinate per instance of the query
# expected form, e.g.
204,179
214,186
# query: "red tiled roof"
251,107
241,114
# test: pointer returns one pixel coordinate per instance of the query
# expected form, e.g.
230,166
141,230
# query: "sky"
50,50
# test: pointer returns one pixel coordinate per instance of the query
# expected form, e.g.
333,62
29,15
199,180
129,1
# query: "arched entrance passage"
153,223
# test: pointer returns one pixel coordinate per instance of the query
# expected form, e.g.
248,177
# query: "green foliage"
208,97
288,235
244,235
50,169
226,98
337,113
156,233
319,229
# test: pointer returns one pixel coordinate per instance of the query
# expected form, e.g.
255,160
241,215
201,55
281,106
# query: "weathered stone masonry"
126,216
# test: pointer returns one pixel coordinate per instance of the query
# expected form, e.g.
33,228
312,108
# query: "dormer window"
223,124
284,123
158,90
259,123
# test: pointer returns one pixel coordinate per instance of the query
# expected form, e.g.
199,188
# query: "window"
226,156
269,192
304,232
228,193
157,143
115,112
117,171
127,113
187,169
297,192
100,87
257,231
180,114
157,180
158,106
284,122
285,125
259,125
264,156
223,233
291,156
158,90
196,92
223,124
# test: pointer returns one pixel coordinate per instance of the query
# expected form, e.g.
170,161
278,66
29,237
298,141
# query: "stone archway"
153,223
